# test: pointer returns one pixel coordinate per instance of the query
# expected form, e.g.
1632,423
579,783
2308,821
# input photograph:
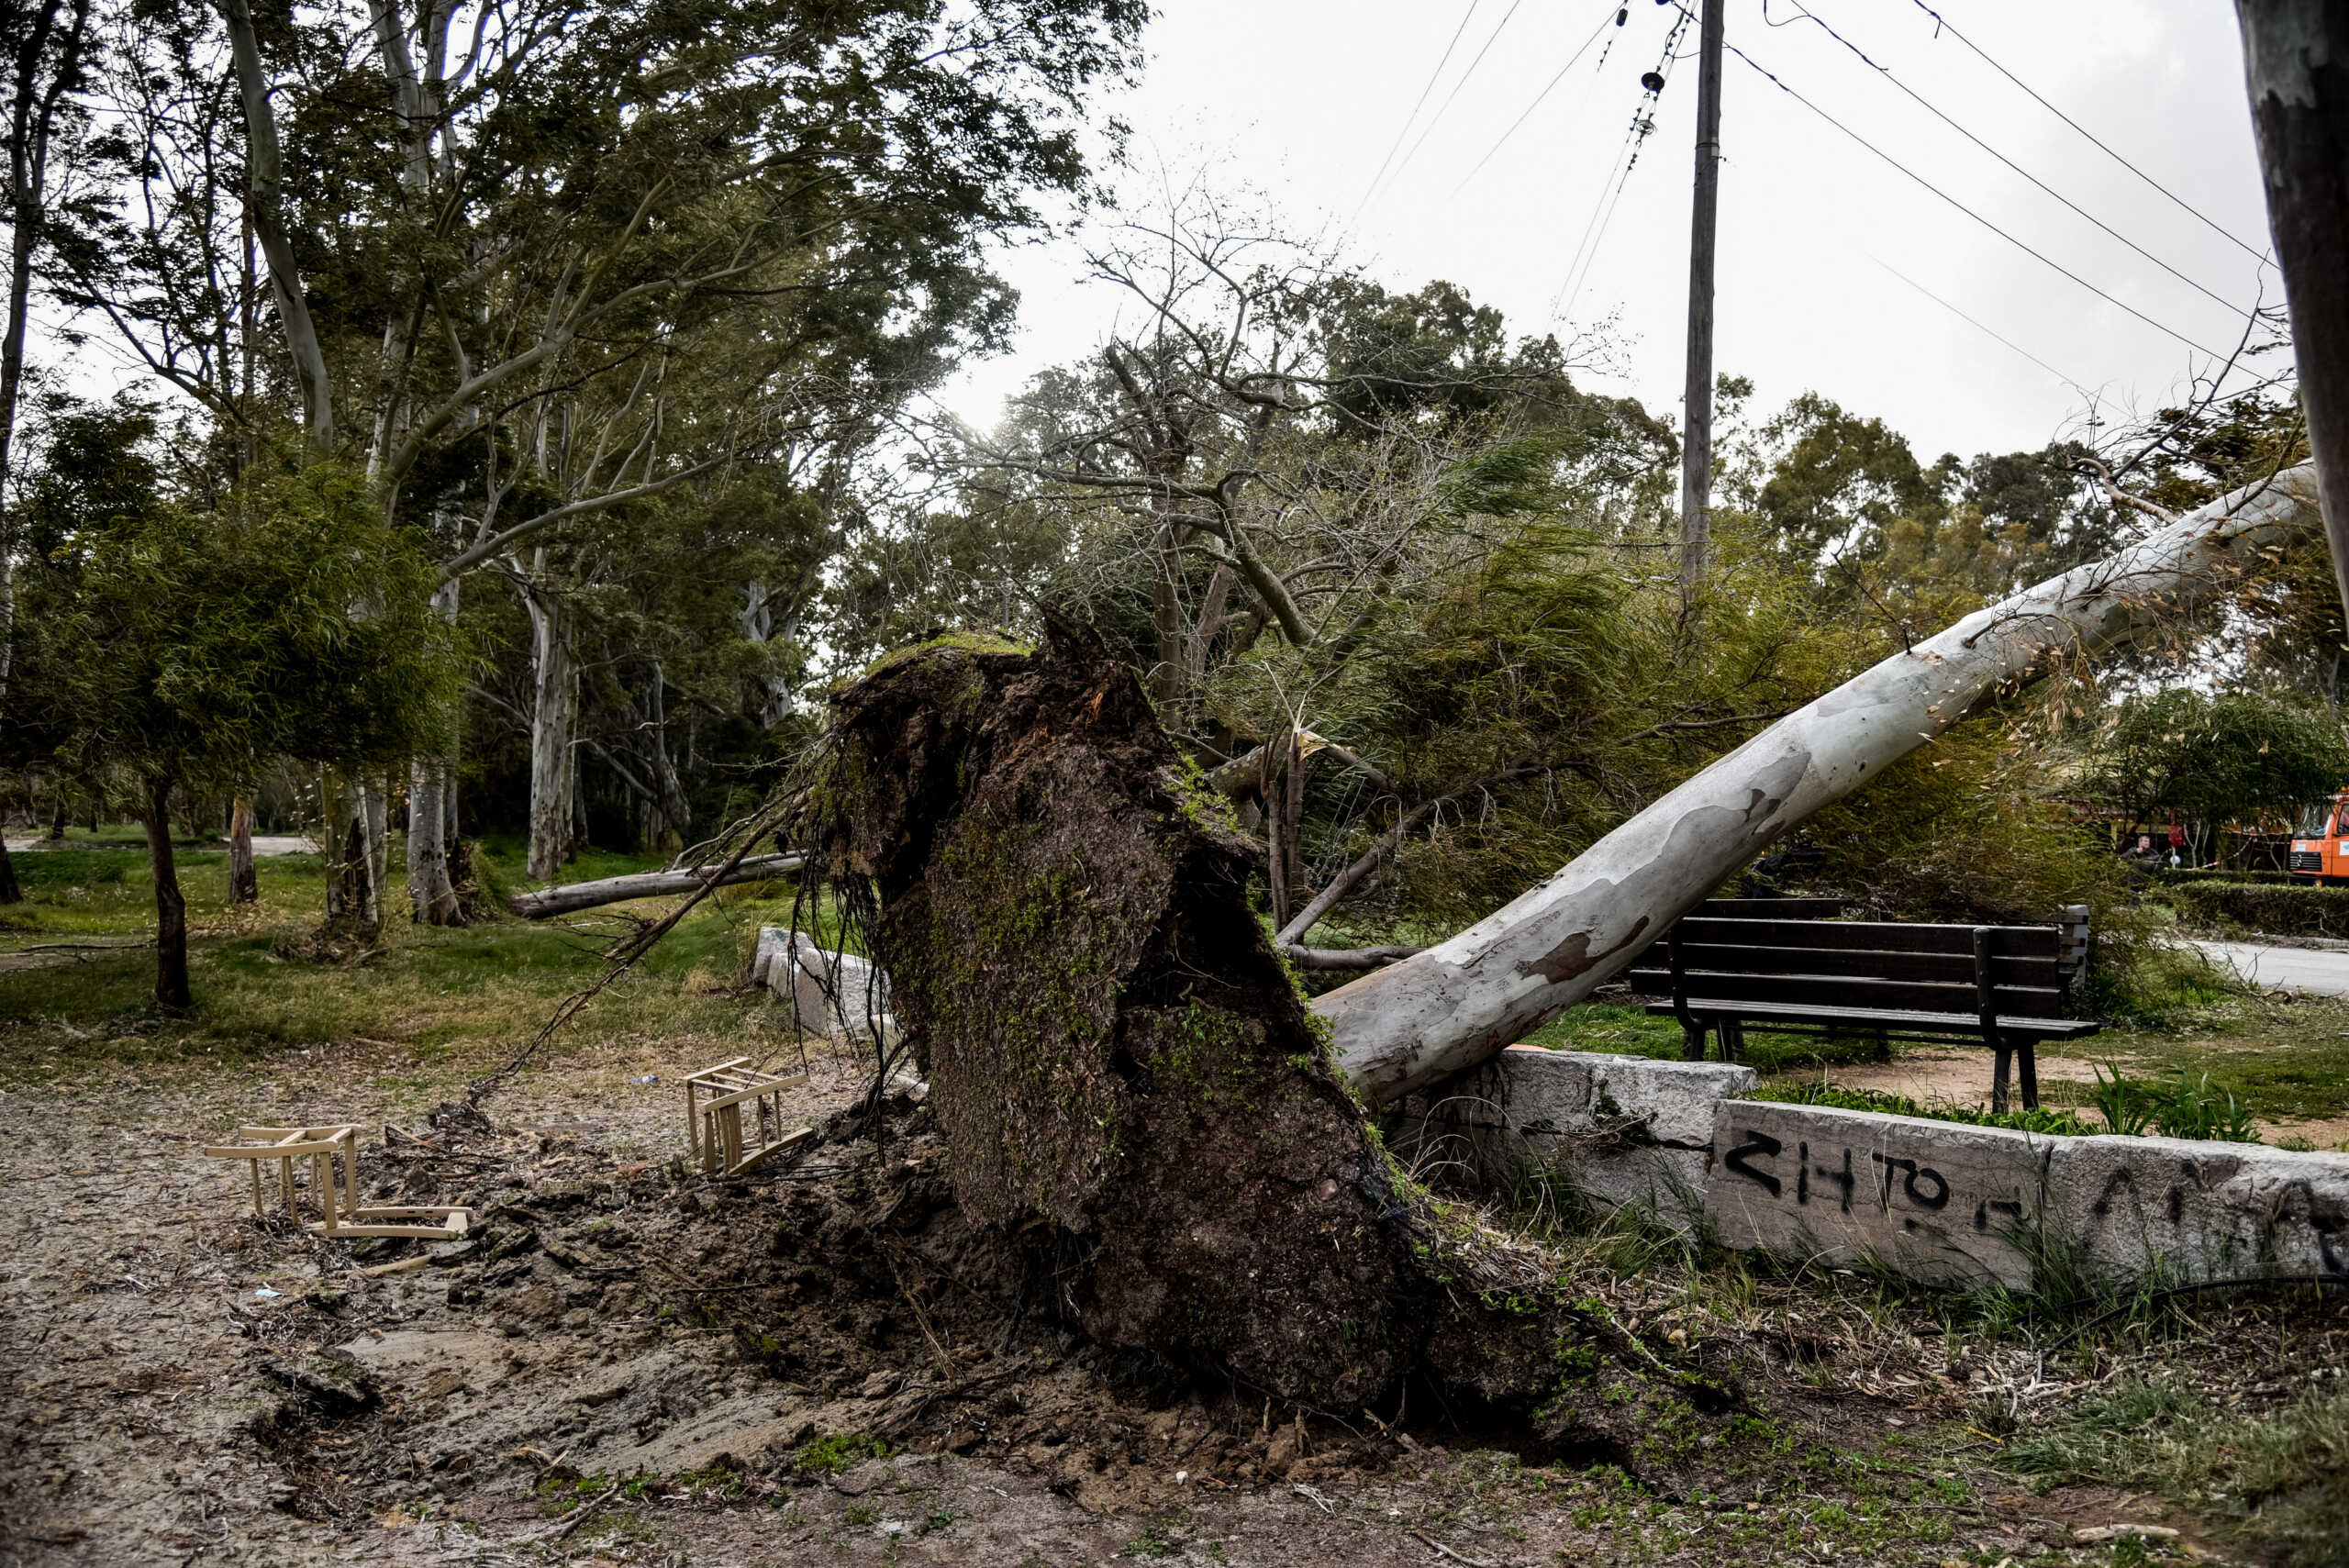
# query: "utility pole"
1697,427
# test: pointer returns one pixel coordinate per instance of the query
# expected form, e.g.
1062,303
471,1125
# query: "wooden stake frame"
713,1127
321,1145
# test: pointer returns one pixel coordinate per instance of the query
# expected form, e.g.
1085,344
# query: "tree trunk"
353,841
432,899
265,200
574,897
554,702
244,887
170,908
2296,64
1428,1017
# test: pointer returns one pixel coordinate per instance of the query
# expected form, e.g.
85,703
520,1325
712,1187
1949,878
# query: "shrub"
2277,911
2214,874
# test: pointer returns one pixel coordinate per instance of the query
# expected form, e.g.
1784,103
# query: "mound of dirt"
1139,1114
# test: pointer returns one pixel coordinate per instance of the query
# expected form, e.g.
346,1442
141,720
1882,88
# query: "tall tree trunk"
2296,64
46,64
554,702
263,178
170,908
1416,1023
353,841
375,805
244,887
432,900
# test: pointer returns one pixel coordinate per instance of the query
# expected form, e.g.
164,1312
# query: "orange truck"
2320,842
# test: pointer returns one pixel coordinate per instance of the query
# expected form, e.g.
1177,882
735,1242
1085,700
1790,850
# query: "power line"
1935,111
1940,24
1436,118
1466,16
1539,98
2036,255
1978,327
1635,138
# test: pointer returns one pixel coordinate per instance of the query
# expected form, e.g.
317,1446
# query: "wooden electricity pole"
1696,443
2296,62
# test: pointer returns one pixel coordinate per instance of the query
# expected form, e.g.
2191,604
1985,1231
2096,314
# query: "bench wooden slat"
1873,936
1856,991
1875,963
2035,1026
1859,986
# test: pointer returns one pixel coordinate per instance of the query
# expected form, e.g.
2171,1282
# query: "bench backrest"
1853,964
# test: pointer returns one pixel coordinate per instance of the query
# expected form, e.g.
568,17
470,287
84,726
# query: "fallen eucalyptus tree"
577,896
1422,1020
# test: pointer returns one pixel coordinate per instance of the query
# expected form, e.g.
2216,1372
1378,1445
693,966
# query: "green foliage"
2183,1107
2178,875
2215,760
2302,911
836,1453
2280,1471
198,646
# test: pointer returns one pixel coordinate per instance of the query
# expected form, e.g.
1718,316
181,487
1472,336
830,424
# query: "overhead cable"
1935,111
1539,98
1405,129
2025,248
1437,119
1970,321
1941,25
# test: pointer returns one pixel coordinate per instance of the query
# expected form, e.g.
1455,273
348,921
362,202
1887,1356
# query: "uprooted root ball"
1134,1098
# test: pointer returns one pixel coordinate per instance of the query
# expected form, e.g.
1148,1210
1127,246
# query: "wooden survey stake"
320,1146
715,1098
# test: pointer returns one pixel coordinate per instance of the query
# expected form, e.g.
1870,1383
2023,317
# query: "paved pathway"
263,844
2288,969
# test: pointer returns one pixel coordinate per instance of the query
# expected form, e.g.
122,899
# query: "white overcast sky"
1301,100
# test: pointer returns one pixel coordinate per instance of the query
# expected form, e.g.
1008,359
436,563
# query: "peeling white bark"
1419,1021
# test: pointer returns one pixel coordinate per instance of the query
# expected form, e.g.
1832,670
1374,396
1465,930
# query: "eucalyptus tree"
46,44
486,232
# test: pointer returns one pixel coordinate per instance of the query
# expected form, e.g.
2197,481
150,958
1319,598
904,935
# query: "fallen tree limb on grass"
1419,1021
577,896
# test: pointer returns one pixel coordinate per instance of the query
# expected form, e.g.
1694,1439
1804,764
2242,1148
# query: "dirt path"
157,1406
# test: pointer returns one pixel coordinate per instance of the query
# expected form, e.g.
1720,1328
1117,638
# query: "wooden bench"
1732,961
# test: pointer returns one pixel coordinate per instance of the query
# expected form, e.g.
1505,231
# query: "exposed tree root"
1135,1100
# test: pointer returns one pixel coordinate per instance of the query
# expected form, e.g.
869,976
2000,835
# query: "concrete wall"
1620,1129
799,969
1936,1201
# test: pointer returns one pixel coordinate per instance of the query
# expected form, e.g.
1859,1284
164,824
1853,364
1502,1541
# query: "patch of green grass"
1811,1092
2278,1059
863,1514
2281,1476
1628,1030
833,1454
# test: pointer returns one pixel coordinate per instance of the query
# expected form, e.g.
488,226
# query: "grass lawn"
2287,1062
459,999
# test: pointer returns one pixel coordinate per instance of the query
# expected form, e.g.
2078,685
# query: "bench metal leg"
1732,1039
2002,1060
1882,1045
1692,1039
2027,1060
